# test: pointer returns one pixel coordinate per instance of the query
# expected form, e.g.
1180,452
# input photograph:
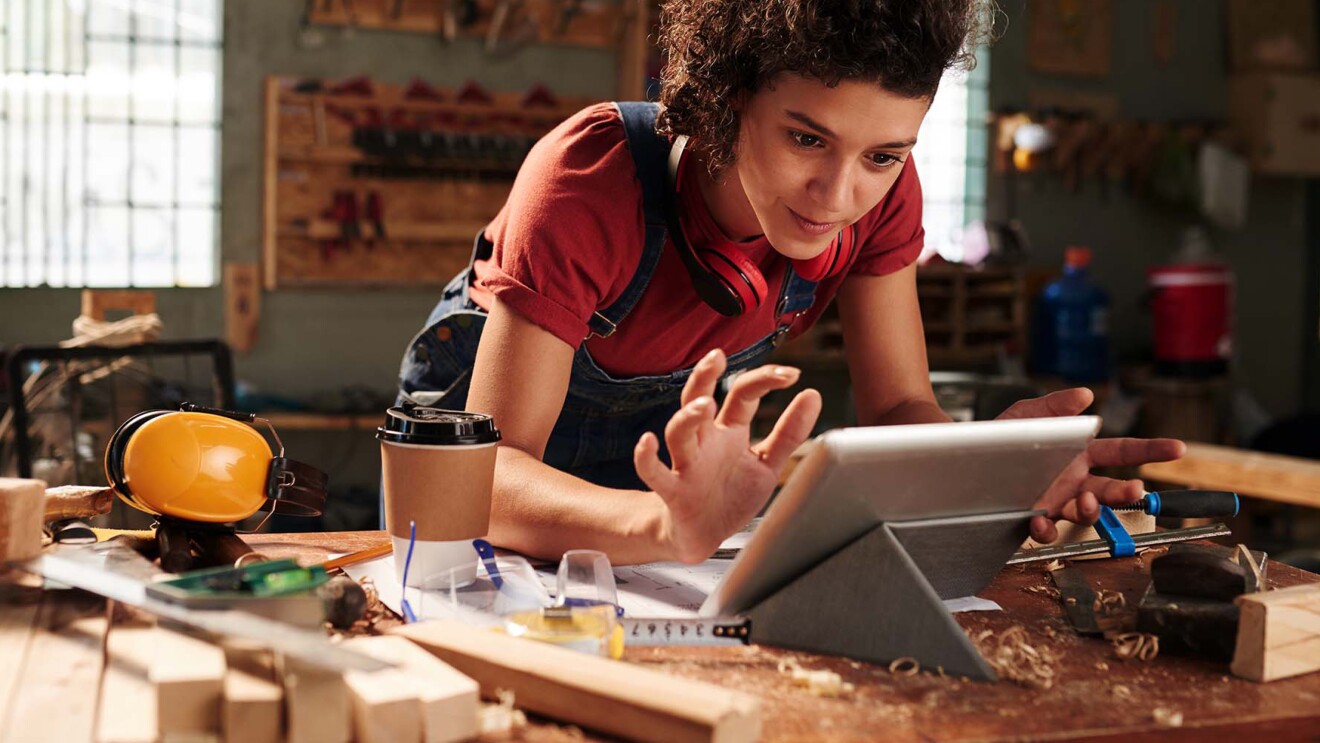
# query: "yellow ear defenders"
208,465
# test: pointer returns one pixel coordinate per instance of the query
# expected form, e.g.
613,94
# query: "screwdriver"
1186,504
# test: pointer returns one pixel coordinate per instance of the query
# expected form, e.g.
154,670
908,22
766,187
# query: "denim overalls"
603,416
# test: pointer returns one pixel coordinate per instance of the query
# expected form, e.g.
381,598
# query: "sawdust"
822,683
1135,646
500,721
1165,717
905,666
1016,659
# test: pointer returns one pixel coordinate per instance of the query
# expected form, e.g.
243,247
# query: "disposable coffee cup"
437,471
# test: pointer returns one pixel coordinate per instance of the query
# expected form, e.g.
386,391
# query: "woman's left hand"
1076,494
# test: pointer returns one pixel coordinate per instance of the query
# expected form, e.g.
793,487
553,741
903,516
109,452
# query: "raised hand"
1076,494
717,480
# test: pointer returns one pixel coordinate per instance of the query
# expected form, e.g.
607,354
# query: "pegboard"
375,185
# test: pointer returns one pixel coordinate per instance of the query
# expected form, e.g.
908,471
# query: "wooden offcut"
606,695
22,504
18,613
448,701
1278,633
77,502
127,712
253,706
385,706
188,677
316,704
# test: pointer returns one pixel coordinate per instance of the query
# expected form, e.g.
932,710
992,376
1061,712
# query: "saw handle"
1191,504
1186,504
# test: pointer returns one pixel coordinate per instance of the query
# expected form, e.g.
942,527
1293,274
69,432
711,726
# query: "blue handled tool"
1187,504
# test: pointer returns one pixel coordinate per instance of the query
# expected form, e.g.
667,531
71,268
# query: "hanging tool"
113,570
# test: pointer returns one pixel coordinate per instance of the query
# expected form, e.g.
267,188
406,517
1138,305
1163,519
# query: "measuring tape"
641,631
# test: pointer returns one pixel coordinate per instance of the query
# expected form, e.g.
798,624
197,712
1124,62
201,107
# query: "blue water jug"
1071,337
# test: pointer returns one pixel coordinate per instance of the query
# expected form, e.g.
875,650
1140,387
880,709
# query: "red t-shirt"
570,237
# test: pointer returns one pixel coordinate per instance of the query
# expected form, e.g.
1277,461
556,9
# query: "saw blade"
118,573
1100,546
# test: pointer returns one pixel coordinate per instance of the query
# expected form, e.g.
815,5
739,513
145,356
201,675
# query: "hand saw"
115,571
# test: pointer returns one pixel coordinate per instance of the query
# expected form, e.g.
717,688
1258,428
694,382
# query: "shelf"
324,229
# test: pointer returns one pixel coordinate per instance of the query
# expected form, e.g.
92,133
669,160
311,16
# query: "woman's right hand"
717,480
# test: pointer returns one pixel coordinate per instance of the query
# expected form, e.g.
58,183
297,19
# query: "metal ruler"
643,631
1100,546
118,573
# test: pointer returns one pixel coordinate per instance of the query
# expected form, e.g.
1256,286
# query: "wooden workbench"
1096,695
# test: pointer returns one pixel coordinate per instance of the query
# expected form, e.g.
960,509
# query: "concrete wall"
310,340
1129,234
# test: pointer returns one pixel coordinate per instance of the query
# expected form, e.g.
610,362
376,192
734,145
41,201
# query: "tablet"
852,479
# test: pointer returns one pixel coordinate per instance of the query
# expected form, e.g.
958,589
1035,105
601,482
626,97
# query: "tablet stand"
879,598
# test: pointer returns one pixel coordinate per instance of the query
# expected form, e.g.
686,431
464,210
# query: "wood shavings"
1136,645
1053,565
500,721
1169,718
823,683
1121,693
1108,602
905,666
1016,659
1244,558
1101,666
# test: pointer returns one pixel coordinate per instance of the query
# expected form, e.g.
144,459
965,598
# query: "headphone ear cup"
837,257
736,277
114,450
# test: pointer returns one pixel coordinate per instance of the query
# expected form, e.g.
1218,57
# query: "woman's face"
813,159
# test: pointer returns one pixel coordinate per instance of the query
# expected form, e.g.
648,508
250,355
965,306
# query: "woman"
640,243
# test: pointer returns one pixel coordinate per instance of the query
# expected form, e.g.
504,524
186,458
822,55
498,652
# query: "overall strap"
650,153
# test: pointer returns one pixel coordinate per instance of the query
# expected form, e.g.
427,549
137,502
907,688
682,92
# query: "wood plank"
242,305
610,696
386,708
253,707
128,711
18,615
1253,474
188,677
316,704
1278,634
449,701
62,672
22,503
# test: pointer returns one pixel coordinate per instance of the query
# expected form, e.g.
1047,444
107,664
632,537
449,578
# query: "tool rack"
366,185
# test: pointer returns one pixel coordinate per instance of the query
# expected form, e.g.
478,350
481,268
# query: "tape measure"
642,632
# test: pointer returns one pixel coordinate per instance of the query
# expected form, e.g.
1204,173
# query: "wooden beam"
253,707
127,711
1253,474
385,706
22,504
449,702
18,614
188,676
57,699
1278,633
316,704
606,695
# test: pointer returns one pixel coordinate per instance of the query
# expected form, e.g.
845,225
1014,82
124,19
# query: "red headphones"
725,278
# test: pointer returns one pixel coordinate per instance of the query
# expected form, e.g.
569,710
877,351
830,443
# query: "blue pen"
408,615
487,554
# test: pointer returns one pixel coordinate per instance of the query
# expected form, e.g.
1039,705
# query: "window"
951,156
109,142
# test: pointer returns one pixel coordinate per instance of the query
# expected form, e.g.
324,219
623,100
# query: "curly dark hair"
717,50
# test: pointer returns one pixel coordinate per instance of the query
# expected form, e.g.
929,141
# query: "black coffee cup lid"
417,424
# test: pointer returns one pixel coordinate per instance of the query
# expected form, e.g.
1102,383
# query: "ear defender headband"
208,465
724,277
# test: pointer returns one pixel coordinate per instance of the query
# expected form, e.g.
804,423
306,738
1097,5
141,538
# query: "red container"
1192,305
